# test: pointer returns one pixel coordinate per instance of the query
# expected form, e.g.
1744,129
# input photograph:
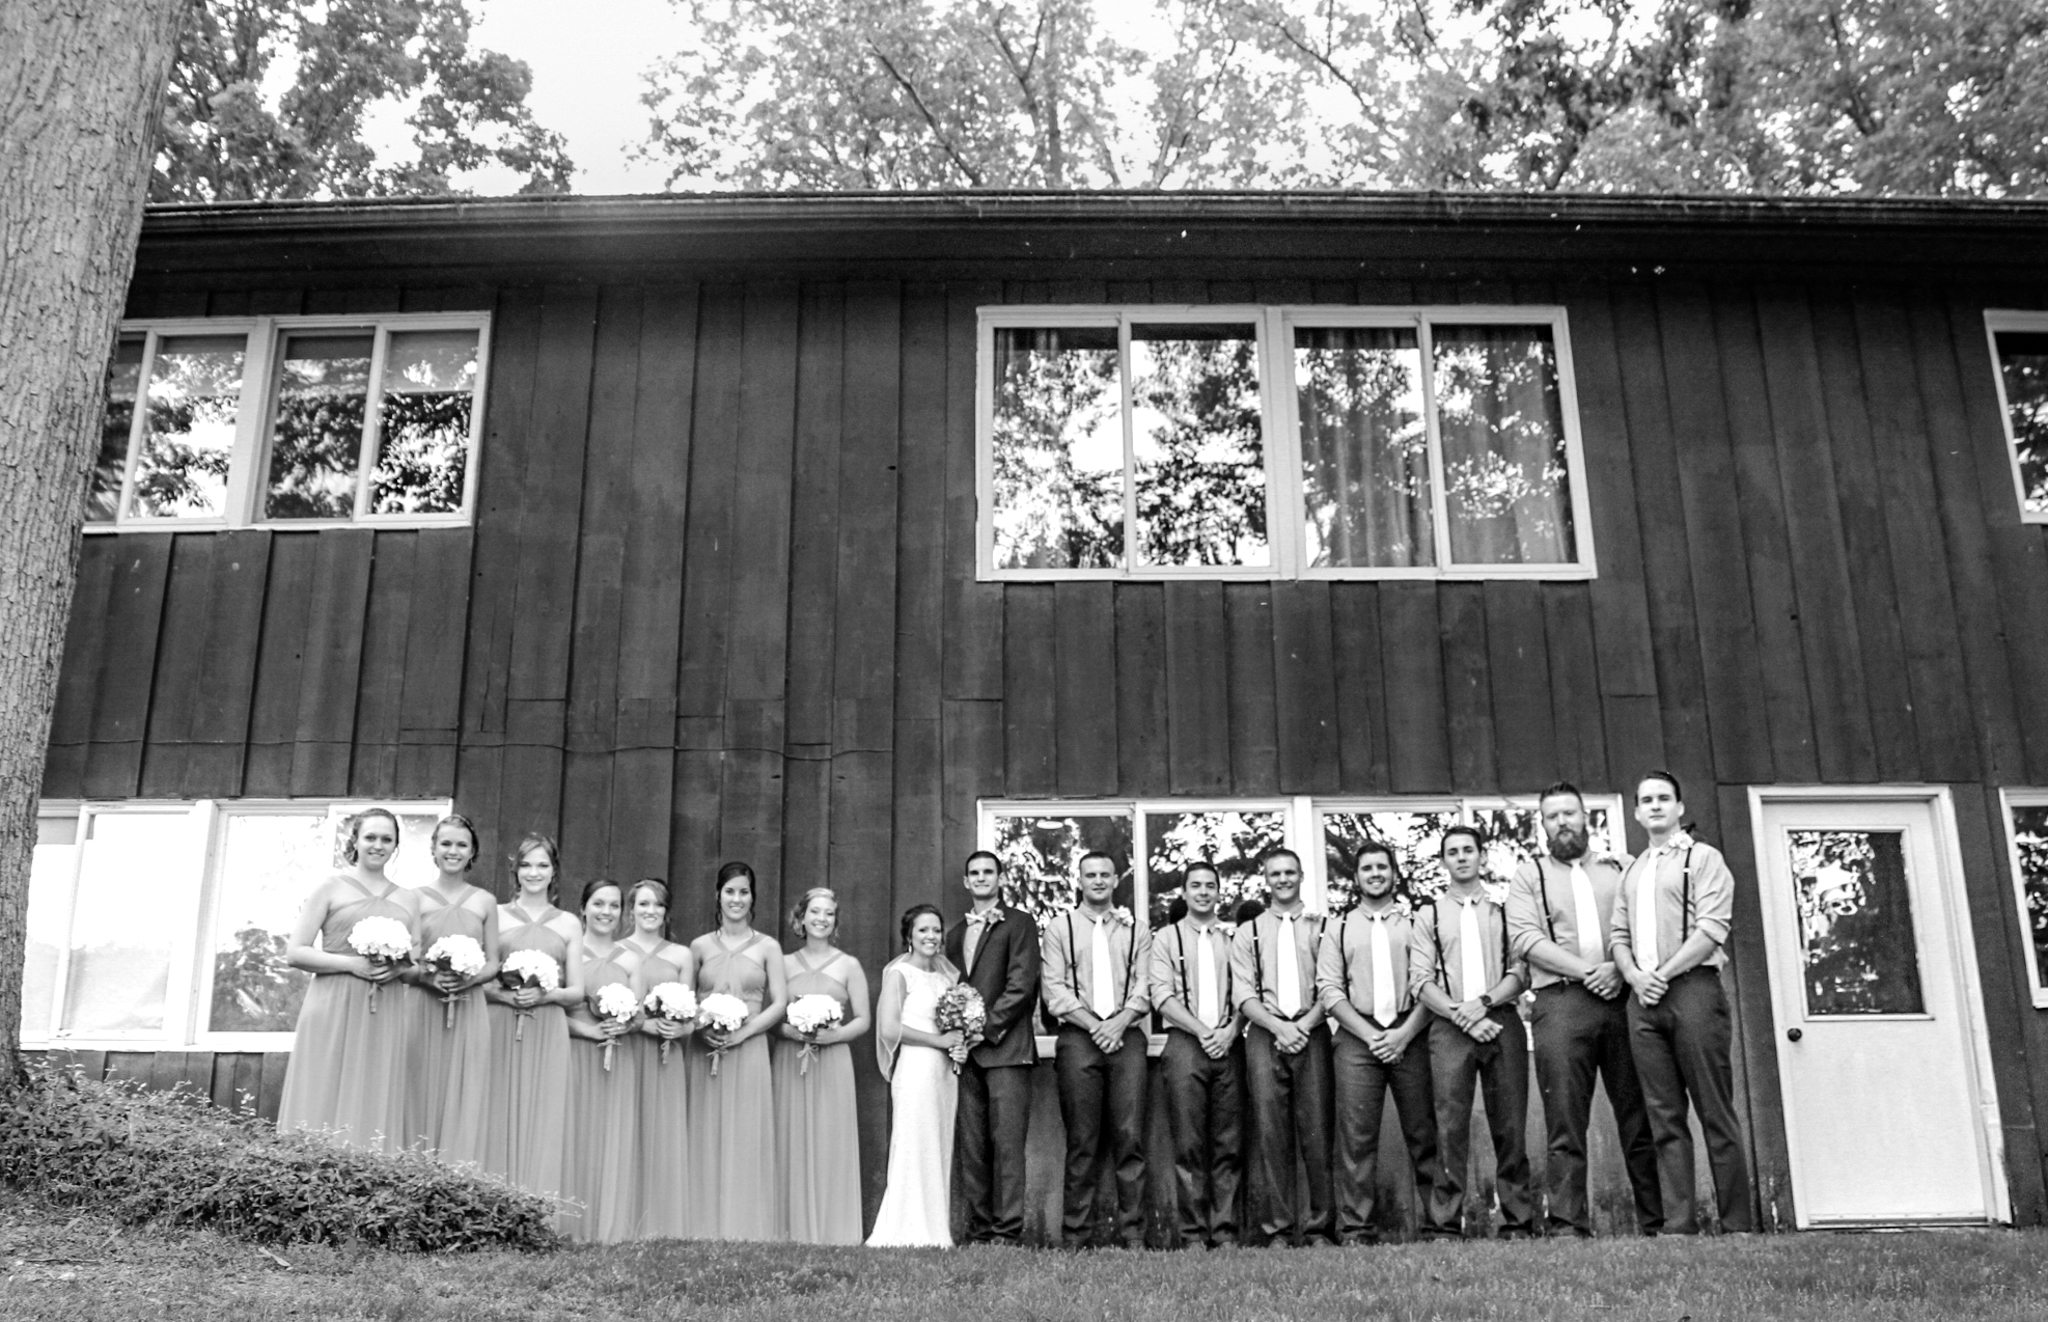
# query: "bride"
918,1061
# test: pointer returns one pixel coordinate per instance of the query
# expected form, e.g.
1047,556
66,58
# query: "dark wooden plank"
332,668
1412,667
1468,688
188,591
221,1088
280,659
248,1079
1581,753
270,1083
1361,695
430,713
127,665
352,300
1197,688
714,442
1084,688
1305,688
509,436
694,856
1030,697
1755,1048
973,756
227,669
974,610
1141,719
131,1067
1518,672
1254,713
380,684
78,680
921,596
813,586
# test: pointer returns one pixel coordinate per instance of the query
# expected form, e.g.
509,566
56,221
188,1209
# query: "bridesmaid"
732,1152
599,1167
449,1087
526,1115
346,1076
817,1123
664,1161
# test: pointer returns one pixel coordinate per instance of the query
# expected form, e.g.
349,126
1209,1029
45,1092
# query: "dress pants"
1102,1104
1579,1035
1362,1084
1681,1048
1290,1105
1203,1104
1500,1069
994,1114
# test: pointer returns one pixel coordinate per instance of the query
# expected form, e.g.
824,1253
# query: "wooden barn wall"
719,602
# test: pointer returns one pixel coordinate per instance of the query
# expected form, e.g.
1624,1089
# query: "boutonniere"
1228,930
989,919
1123,916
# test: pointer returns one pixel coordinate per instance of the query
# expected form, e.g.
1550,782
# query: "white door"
1873,986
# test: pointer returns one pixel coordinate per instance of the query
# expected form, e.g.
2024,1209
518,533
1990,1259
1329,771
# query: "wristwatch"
1486,999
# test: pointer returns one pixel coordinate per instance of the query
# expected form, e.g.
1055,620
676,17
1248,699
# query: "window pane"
1364,449
2030,834
1198,443
1042,855
1058,449
124,922
1233,841
1413,836
49,920
195,394
124,376
1502,426
423,422
2023,358
1856,923
269,863
316,439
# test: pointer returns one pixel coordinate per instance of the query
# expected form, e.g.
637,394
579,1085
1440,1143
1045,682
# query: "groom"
996,950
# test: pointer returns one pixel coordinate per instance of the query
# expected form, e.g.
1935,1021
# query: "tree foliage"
272,98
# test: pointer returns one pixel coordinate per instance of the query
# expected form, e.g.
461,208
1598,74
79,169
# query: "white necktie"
1471,954
1642,916
1205,980
1383,1007
1289,969
1102,986
1586,917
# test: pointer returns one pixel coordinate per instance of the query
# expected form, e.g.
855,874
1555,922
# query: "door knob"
1793,1035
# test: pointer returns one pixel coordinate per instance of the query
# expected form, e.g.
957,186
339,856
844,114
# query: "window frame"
2008,800
249,460
1286,506
2035,323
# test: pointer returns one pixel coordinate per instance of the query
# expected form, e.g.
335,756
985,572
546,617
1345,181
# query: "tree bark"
81,86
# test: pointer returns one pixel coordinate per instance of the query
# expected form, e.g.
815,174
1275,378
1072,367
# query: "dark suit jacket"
1005,972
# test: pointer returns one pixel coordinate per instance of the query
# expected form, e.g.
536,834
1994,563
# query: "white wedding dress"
917,1205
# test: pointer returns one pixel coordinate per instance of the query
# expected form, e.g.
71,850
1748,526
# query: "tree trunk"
81,84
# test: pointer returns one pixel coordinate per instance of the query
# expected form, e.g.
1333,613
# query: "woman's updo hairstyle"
803,906
915,912
727,873
457,819
355,829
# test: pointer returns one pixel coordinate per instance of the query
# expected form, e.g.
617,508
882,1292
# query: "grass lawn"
60,1266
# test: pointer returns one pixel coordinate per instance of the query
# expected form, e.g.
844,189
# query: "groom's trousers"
994,1113
1102,1103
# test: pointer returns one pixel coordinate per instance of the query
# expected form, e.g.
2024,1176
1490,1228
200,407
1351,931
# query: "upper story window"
293,421
1271,442
2019,345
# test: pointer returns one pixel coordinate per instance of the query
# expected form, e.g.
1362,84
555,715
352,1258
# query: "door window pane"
1364,449
124,378
1197,440
268,864
1501,422
423,422
1058,449
195,395
1856,923
1042,855
316,438
127,915
1233,841
2023,360
49,920
1414,836
2030,834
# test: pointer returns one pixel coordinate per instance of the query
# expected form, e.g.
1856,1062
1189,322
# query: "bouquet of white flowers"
528,968
673,1002
461,956
811,1015
724,1013
615,1003
960,1010
381,941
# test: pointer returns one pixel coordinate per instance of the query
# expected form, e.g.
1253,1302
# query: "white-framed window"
163,925
1279,442
298,422
2019,350
2026,836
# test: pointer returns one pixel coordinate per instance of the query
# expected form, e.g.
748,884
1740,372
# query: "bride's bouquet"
382,941
811,1015
673,1002
615,1003
528,968
960,1010
460,955
724,1012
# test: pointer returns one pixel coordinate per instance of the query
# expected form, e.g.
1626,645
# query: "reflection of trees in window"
1856,922
195,392
1233,841
1502,427
1364,449
1041,857
1058,449
1413,836
317,438
2030,833
2023,358
124,378
1198,442
424,422
254,989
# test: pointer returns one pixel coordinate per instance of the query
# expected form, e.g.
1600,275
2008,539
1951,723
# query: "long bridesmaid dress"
526,1116
666,1195
817,1128
600,1165
732,1138
449,1090
346,1076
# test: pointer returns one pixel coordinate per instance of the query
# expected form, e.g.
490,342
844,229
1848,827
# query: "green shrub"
173,1159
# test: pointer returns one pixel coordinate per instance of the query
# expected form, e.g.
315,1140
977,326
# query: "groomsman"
1460,967
1559,911
1287,1061
1362,982
1670,925
996,950
1201,1068
1097,959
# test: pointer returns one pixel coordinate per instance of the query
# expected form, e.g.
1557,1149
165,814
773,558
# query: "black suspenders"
1436,937
1130,962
